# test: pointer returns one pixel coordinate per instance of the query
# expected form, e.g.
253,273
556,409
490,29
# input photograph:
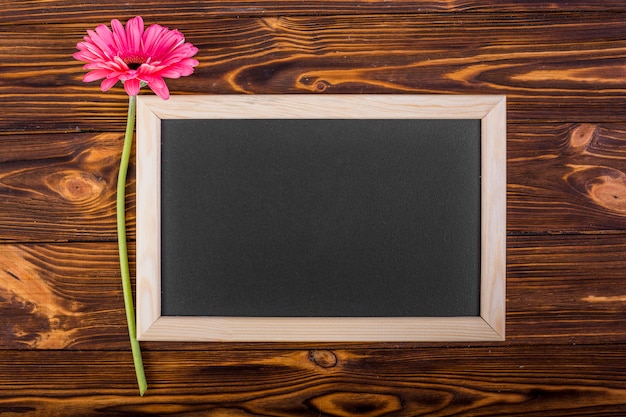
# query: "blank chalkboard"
268,218
320,217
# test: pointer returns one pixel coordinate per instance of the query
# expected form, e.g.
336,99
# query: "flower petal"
107,83
103,39
134,32
132,86
160,90
119,35
96,75
157,40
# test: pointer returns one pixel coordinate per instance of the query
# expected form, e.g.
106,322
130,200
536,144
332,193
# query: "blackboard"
321,218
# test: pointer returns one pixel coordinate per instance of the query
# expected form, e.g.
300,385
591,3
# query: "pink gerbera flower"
136,57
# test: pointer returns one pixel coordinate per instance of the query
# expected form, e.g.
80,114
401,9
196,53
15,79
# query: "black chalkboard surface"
320,218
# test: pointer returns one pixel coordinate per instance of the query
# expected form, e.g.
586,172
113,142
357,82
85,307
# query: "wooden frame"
490,325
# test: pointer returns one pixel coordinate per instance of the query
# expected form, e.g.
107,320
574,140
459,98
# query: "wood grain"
58,296
570,177
562,177
60,187
564,69
571,380
76,11
68,296
63,344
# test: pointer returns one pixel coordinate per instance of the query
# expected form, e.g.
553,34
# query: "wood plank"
59,296
556,381
61,187
566,288
562,177
569,177
560,289
75,11
564,69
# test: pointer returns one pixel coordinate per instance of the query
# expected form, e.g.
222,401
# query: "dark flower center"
134,62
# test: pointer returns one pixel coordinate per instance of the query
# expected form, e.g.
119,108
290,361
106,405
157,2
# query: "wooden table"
64,348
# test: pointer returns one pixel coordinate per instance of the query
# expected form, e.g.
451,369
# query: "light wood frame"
489,326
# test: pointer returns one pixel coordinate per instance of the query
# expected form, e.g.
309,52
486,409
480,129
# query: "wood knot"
76,186
365,404
603,185
324,358
273,23
312,82
321,86
582,136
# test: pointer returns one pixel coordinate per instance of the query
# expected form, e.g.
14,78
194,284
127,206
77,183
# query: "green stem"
121,239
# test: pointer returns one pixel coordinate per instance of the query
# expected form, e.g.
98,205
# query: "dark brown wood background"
63,344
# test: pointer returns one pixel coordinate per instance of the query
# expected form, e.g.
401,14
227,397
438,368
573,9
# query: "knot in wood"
324,358
76,186
351,404
605,186
582,136
321,86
